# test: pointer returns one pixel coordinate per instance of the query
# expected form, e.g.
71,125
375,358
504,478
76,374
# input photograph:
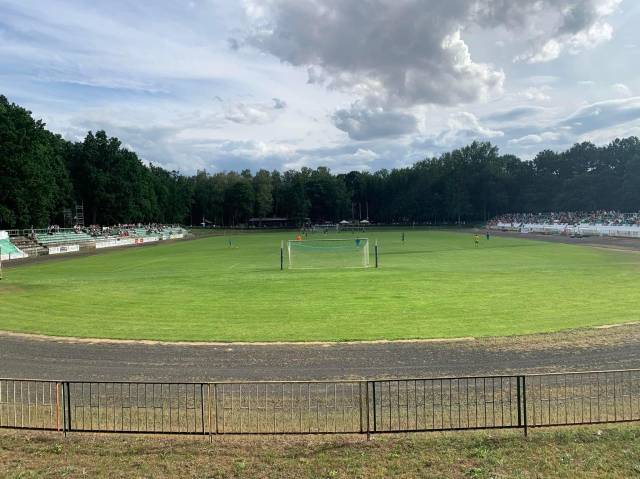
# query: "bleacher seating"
8,248
28,246
62,237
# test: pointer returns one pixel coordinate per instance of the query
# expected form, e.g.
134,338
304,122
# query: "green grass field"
595,453
436,285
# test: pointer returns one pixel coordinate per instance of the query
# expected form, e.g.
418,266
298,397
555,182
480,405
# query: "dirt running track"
605,348
611,348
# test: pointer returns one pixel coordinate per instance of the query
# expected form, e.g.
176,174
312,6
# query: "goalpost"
326,253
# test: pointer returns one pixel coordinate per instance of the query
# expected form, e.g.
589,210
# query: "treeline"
41,174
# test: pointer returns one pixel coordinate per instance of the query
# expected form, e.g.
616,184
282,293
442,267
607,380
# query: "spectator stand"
596,223
8,250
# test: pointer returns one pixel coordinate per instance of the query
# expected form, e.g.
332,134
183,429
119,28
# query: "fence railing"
322,407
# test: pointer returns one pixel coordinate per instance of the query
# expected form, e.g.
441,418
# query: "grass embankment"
435,285
612,452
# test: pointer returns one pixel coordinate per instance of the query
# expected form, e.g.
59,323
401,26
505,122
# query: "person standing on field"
476,239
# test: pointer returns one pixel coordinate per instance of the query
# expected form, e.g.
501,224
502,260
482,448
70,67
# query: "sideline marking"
72,339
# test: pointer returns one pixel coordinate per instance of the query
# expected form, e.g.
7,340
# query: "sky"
226,85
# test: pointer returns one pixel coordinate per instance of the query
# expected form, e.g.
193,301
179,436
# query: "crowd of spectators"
132,229
570,218
122,230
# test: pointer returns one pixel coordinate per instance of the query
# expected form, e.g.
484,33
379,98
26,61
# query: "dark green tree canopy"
41,174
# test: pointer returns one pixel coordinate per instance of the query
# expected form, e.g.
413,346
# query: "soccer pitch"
435,285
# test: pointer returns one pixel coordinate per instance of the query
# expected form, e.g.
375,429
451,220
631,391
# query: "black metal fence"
323,407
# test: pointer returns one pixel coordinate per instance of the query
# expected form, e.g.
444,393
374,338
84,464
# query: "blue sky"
222,85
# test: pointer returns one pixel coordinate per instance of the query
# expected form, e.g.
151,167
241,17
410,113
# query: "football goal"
326,253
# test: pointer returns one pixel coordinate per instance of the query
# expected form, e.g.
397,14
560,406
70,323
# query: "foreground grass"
612,452
436,285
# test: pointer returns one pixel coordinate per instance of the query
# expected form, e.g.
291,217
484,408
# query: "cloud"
516,113
279,104
391,54
596,34
463,127
535,139
233,43
340,159
536,93
402,54
254,113
621,89
604,114
543,79
570,26
364,123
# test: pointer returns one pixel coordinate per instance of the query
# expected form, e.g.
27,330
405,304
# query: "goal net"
328,253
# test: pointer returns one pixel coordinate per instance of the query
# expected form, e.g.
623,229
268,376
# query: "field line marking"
73,339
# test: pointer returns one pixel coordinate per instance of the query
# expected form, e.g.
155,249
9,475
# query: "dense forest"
41,174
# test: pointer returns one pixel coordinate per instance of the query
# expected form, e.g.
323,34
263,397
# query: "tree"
34,180
263,193
630,190
111,181
238,198
294,203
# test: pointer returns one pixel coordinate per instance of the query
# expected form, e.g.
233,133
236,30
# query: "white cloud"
391,54
364,123
535,93
402,54
577,25
463,127
535,139
604,114
516,113
621,89
338,159
596,34
254,113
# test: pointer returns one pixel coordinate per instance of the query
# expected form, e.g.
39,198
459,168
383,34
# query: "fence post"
373,392
524,404
58,406
66,407
202,406
360,401
215,406
209,412
519,401
367,402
